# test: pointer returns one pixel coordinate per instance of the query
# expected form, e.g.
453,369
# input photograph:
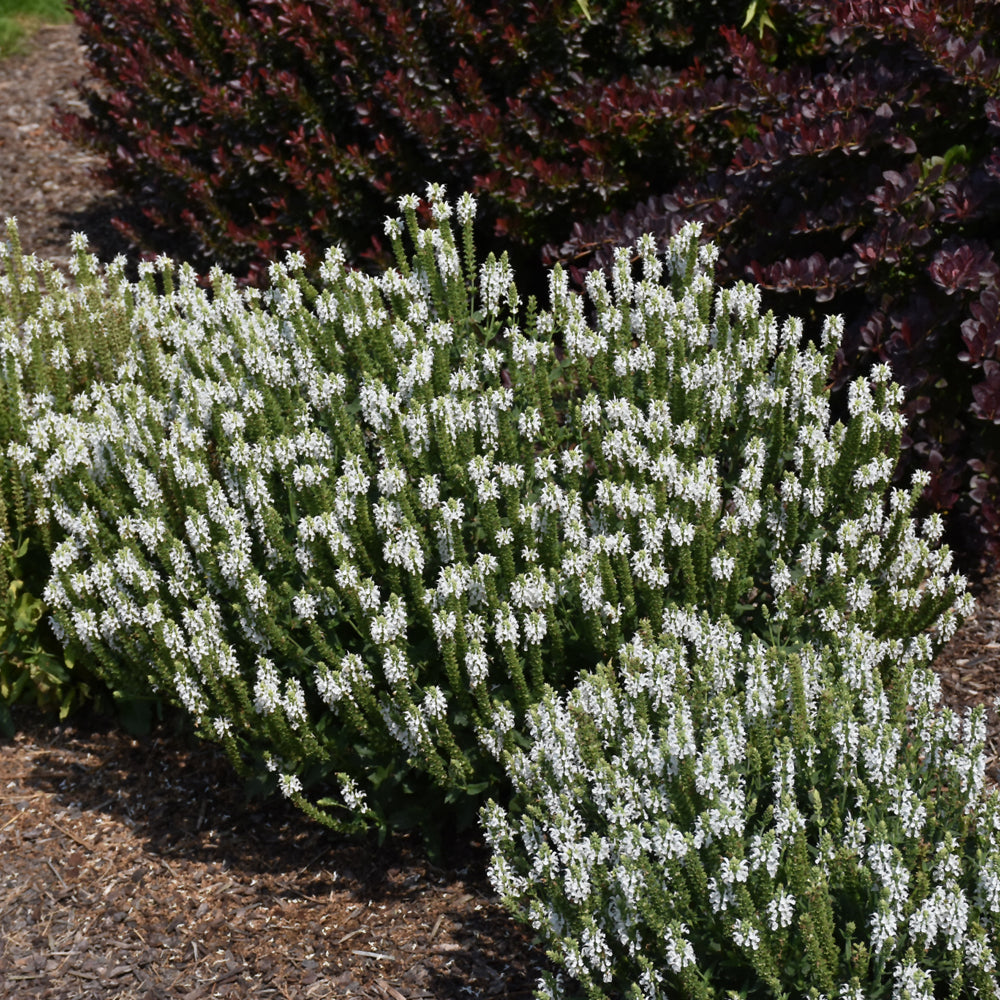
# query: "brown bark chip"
134,868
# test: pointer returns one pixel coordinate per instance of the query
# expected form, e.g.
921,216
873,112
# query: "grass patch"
20,19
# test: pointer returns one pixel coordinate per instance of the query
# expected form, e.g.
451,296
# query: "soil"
138,869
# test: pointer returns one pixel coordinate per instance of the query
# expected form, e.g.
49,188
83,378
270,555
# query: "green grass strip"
20,19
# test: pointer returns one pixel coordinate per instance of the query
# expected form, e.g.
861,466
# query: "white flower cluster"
678,825
387,500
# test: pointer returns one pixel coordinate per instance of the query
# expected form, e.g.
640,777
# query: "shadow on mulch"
181,799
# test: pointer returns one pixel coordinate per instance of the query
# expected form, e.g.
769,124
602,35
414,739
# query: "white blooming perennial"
360,527
702,864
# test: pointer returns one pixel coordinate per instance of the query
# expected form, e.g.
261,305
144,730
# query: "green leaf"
757,12
28,613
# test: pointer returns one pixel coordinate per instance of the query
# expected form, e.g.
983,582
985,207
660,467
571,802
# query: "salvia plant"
51,347
718,817
844,154
357,530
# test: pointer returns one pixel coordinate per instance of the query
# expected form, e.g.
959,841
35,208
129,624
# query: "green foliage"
759,17
356,530
32,663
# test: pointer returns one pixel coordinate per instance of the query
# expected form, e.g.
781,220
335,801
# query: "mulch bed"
137,869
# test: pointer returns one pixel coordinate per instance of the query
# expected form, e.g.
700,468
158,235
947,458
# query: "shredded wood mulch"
137,870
